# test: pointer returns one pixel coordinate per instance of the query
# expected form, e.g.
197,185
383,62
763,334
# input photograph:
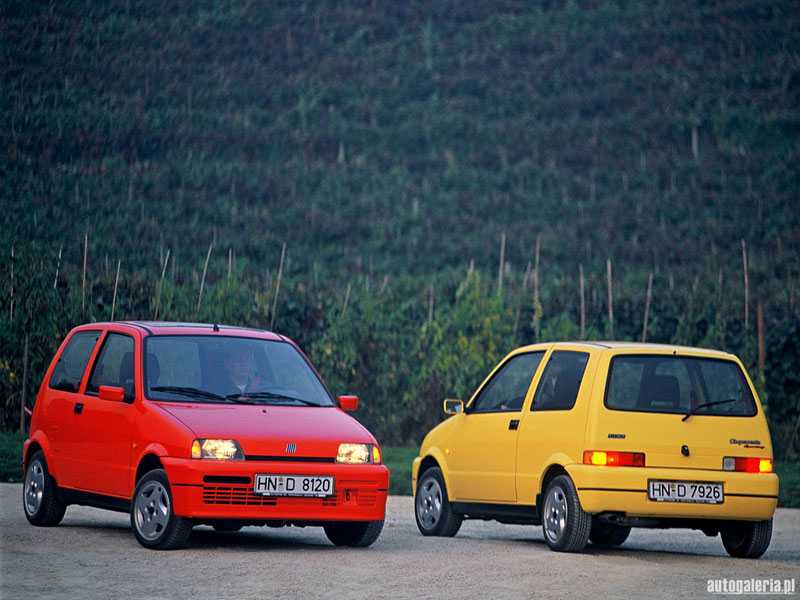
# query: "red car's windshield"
229,369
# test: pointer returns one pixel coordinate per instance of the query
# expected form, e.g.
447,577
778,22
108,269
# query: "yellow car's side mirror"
453,407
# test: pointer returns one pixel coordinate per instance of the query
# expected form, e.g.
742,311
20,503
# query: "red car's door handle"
513,424
78,408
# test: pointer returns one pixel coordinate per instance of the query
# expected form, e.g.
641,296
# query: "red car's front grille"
347,493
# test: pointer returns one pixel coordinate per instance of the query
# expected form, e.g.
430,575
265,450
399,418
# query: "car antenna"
216,327
591,329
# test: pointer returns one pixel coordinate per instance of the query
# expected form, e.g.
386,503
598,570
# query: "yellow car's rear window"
678,384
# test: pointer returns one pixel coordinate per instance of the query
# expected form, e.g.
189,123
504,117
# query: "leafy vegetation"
390,147
11,456
399,460
789,475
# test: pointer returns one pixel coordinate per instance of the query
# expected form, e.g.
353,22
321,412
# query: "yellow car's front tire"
432,508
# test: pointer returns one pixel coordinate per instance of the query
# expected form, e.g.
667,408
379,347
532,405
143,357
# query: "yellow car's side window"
507,389
559,385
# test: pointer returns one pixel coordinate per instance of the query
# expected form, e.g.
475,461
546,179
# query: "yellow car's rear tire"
565,525
747,539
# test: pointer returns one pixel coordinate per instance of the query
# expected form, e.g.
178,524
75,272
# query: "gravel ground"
93,554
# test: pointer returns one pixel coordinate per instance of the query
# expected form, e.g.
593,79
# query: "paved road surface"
93,554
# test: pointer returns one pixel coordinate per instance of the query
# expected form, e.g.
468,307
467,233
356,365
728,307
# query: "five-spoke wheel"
432,509
40,497
152,518
565,525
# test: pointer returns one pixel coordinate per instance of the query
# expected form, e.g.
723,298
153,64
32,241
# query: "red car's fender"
38,438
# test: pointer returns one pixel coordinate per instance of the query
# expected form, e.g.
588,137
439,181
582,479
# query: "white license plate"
318,486
685,491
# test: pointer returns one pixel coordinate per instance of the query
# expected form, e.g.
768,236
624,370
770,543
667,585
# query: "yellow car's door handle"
513,424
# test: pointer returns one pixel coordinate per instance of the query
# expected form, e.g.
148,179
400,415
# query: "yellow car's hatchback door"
682,411
485,437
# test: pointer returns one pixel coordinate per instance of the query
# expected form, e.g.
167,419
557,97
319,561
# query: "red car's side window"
114,365
68,373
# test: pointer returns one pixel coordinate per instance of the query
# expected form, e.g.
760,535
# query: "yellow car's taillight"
613,459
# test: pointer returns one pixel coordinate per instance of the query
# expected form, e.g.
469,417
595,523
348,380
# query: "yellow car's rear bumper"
747,496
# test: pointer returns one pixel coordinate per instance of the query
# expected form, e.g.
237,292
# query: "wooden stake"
430,302
502,262
160,286
536,282
277,289
746,289
583,300
760,322
610,300
203,280
58,266
85,250
384,282
116,282
24,399
647,307
230,258
346,299
12,283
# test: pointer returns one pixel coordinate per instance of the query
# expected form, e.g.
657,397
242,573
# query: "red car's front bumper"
203,489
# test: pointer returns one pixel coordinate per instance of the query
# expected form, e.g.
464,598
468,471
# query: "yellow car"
591,439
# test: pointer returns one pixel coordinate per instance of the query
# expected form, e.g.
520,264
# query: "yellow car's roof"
626,347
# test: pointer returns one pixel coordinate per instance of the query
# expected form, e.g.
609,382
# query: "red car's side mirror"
348,402
108,392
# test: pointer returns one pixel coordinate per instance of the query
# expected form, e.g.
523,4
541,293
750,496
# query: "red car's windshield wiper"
268,396
188,391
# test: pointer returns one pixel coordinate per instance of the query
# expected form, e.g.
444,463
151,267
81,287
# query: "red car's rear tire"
40,498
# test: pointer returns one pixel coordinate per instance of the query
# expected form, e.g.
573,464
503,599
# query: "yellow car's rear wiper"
706,405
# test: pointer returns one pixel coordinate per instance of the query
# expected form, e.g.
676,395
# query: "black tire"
40,498
608,534
432,508
152,519
358,534
227,525
747,539
565,525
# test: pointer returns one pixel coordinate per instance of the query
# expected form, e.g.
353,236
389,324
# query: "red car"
182,424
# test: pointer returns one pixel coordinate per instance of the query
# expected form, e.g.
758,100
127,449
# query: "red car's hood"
267,430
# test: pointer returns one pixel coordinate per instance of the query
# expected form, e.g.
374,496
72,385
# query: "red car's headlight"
217,449
359,454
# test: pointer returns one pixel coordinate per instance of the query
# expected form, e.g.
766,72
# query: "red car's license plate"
293,485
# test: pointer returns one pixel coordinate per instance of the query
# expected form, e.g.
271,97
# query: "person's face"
238,365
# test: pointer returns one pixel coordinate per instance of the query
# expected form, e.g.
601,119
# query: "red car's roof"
173,328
